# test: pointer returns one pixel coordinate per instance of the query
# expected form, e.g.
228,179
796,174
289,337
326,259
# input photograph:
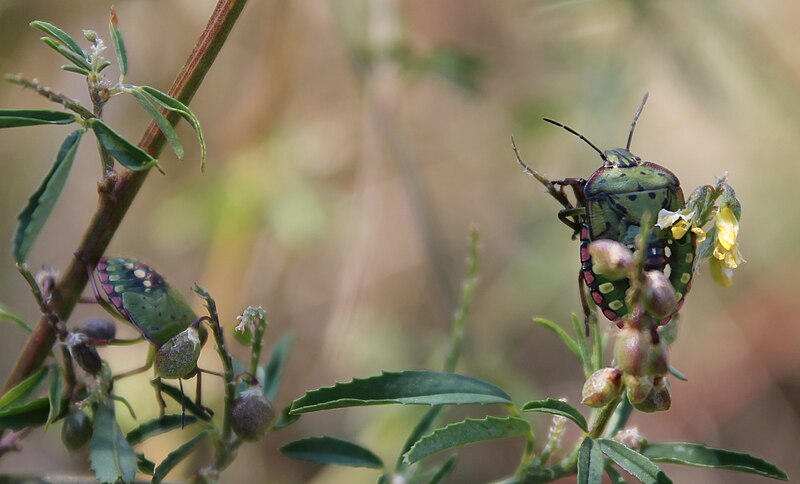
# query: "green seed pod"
638,388
610,259
77,430
252,415
659,295
602,387
631,351
658,360
658,400
177,358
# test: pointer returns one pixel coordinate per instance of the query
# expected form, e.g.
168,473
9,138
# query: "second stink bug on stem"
138,294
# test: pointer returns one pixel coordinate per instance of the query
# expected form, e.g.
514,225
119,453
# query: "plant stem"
45,91
257,345
602,419
226,443
464,304
114,204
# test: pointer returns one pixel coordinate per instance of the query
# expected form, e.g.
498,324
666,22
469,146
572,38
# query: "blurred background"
352,145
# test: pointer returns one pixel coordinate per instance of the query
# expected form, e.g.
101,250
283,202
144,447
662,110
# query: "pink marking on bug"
116,301
598,298
585,233
103,276
588,277
584,254
108,288
611,315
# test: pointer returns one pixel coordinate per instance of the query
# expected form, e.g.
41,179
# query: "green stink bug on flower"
141,296
611,204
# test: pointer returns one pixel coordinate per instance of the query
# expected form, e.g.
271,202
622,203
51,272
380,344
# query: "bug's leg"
162,405
571,218
552,188
577,185
199,389
183,405
151,356
584,301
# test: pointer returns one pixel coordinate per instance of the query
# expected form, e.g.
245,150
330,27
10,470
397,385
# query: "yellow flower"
726,250
680,222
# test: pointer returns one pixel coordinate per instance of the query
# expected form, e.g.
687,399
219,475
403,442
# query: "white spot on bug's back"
113,278
685,277
128,265
615,305
147,283
140,273
119,288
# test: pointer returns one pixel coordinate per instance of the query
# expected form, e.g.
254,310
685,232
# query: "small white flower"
250,318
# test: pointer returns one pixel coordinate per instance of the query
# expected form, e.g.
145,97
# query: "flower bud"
659,398
84,353
602,387
99,329
658,360
77,430
637,388
728,199
610,259
632,351
90,35
252,414
659,295
177,358
631,438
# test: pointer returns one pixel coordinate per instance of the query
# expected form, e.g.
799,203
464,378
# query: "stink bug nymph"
138,294
611,205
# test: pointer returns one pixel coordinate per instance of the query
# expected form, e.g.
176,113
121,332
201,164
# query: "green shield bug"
611,204
138,294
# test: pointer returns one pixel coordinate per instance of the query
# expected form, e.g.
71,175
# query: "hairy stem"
118,193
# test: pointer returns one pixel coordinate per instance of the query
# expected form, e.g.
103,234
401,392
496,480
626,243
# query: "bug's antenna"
636,118
602,155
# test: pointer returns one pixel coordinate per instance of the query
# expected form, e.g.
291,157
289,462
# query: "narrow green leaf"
444,471
103,65
14,118
162,122
557,407
620,417
41,203
286,419
30,414
66,53
633,462
22,390
407,388
177,455
423,427
466,432
112,456
119,44
158,426
168,102
274,370
461,68
129,155
699,455
677,374
54,395
590,463
75,70
570,343
177,395
583,349
16,319
330,450
145,465
58,34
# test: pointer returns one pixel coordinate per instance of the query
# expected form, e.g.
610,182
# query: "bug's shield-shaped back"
142,296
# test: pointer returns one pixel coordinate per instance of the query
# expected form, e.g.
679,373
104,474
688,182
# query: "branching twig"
114,204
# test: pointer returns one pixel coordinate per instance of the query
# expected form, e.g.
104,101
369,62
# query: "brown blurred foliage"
343,178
